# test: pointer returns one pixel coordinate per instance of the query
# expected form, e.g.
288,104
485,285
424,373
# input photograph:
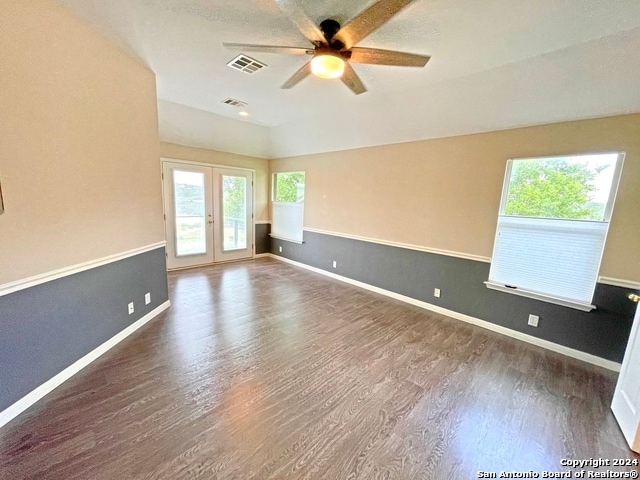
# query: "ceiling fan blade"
350,79
376,56
269,48
297,77
307,26
369,20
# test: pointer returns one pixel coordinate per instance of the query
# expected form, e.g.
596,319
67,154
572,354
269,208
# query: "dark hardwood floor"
263,370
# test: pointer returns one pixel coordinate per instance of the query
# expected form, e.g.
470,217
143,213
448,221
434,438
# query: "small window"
288,206
289,187
552,226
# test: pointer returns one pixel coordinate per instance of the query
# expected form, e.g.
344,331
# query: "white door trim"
220,255
189,260
626,399
204,164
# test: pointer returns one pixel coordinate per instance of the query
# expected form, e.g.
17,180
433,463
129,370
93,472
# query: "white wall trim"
262,222
617,282
261,255
570,352
449,253
28,282
32,397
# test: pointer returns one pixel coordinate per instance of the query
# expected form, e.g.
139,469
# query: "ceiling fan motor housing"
329,28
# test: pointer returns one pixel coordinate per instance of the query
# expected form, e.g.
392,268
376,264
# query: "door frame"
219,253
169,206
213,165
625,409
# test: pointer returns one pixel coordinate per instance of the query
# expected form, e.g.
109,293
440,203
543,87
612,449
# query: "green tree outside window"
555,188
290,187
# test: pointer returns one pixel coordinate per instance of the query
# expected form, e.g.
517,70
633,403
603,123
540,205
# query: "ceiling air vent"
246,64
234,103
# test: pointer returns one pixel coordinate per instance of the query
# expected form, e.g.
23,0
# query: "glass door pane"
233,235
234,199
190,216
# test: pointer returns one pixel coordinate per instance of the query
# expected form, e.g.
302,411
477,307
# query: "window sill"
299,242
585,307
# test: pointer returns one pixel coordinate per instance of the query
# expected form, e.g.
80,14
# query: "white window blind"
287,207
287,221
554,259
549,256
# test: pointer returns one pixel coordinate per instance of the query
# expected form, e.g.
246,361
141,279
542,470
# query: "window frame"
608,212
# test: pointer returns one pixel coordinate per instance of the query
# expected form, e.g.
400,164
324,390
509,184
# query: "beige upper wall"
79,135
445,193
261,166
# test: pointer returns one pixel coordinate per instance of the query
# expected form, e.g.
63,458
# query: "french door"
208,214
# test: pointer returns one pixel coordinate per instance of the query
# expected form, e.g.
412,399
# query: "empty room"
296,239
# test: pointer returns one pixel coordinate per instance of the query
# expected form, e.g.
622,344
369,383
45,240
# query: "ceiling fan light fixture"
327,65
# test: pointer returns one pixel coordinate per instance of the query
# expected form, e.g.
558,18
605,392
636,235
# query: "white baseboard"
32,397
261,255
570,352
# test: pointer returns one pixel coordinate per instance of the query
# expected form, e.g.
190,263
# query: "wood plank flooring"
263,370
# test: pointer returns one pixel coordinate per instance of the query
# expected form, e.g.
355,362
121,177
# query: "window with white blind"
552,226
287,207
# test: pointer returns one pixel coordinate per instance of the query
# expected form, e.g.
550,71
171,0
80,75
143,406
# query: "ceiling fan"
334,46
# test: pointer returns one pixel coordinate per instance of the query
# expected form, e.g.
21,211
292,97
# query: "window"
288,206
552,226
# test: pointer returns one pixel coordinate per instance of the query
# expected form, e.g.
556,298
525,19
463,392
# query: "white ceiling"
495,64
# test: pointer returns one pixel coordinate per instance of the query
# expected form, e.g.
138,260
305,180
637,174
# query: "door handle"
210,222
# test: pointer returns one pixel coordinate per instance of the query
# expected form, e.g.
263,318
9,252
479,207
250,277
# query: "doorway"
208,214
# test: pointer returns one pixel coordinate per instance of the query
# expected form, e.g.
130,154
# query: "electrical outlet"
335,264
436,292
130,308
280,249
147,298
533,320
